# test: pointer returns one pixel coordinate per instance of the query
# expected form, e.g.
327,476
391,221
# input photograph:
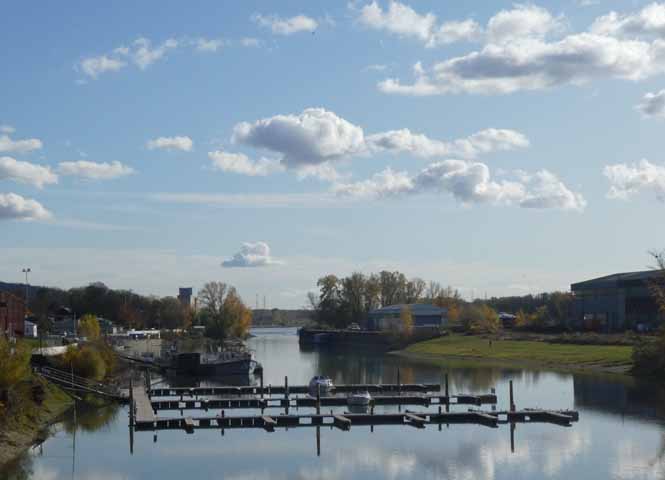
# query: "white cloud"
19,146
627,180
240,163
470,183
183,143
485,141
26,172
16,207
653,104
94,171
7,129
252,255
312,137
648,22
286,26
94,66
208,45
317,136
518,56
401,19
376,67
522,22
141,53
250,42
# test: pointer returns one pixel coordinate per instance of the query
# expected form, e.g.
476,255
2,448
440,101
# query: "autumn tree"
225,312
89,327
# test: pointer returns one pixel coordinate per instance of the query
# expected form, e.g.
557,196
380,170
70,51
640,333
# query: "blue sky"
496,147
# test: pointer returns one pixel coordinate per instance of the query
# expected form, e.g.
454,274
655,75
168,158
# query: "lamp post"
26,271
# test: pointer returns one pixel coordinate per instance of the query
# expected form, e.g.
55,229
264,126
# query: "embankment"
558,356
34,405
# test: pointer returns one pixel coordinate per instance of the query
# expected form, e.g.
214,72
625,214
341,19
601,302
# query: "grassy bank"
606,358
25,421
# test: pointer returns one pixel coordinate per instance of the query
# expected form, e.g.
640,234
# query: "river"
620,435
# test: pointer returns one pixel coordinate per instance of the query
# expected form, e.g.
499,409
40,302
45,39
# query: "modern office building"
616,302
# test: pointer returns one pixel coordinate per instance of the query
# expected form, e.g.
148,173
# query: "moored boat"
320,383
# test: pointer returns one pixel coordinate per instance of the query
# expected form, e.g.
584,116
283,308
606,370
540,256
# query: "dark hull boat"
213,364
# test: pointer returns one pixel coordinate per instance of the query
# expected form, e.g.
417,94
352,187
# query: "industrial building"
12,314
617,302
185,296
424,315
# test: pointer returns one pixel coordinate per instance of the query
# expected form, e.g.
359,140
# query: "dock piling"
512,398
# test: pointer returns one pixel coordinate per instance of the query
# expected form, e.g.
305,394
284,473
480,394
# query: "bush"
86,362
14,364
649,357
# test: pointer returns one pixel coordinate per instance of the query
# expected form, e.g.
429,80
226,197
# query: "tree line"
221,310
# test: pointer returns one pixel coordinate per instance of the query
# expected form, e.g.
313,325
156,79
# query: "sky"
501,148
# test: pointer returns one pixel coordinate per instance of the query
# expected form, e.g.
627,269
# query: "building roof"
416,309
618,279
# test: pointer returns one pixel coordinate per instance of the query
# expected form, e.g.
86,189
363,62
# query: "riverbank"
27,421
557,356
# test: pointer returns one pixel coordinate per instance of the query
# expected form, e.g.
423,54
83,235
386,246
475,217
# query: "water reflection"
620,433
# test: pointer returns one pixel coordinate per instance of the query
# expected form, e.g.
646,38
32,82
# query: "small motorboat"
360,399
320,383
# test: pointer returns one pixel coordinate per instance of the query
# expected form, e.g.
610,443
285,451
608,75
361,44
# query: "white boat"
360,399
320,383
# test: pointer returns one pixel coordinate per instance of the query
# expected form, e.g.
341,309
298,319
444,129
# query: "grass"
564,356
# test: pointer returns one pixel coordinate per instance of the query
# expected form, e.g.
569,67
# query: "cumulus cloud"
485,141
183,143
7,129
18,146
286,26
469,183
522,22
627,180
250,42
402,20
647,22
16,207
252,255
519,57
242,164
312,137
26,172
310,142
140,53
652,104
93,170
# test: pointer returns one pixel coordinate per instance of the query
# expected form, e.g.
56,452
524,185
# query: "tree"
414,290
480,319
406,318
89,327
521,319
225,312
212,297
171,313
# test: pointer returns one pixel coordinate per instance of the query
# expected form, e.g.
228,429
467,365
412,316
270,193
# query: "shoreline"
611,360
26,430
468,360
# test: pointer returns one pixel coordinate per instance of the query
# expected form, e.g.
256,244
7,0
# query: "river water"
620,435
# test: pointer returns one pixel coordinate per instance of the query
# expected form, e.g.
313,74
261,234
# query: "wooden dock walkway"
346,420
311,402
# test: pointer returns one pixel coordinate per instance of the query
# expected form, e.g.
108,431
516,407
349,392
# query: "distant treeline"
221,309
281,317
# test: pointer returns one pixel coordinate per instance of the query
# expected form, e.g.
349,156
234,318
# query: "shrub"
86,362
